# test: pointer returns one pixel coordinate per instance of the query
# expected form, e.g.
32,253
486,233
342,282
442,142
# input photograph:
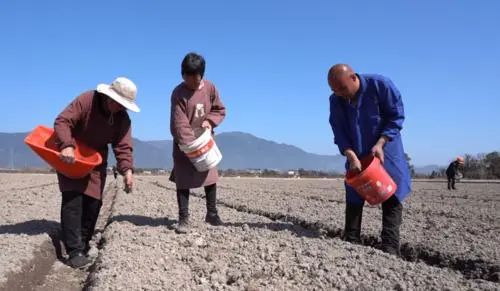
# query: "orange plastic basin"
373,183
42,140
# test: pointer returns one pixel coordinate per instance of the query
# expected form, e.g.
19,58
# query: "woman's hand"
68,155
128,181
206,124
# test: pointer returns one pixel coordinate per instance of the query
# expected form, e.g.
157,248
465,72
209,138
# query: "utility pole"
11,163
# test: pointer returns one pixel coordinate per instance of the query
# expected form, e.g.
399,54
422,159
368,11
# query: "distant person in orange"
195,104
455,172
96,118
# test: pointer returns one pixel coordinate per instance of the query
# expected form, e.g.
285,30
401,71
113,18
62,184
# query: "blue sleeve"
393,113
338,124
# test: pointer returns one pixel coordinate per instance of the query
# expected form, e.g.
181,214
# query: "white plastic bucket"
203,152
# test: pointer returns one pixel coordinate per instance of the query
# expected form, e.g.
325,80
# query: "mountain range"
240,151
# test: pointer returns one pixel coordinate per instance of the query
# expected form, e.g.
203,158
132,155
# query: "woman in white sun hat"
95,118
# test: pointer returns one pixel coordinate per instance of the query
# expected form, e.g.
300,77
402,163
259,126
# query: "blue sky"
269,61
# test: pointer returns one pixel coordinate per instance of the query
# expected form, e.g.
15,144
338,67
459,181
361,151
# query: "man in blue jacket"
366,116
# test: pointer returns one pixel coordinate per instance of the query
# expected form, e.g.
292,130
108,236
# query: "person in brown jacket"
96,118
195,104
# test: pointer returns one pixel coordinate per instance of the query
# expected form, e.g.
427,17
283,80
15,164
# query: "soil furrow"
471,269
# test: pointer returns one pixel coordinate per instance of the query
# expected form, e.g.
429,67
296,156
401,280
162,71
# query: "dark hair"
193,64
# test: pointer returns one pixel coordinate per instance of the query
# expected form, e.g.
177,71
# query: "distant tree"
270,173
473,167
229,173
492,165
482,166
410,166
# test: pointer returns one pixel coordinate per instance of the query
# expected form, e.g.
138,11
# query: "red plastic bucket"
373,183
42,141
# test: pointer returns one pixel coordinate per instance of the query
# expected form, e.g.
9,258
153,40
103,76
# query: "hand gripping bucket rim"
203,151
373,184
42,141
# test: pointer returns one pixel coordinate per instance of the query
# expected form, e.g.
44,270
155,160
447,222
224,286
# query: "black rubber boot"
352,229
213,219
212,215
183,204
79,261
392,216
183,225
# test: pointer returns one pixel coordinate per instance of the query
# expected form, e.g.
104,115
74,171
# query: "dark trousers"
451,183
392,212
183,200
79,214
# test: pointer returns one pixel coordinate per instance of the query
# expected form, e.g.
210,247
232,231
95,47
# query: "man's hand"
68,155
206,124
354,163
128,181
378,148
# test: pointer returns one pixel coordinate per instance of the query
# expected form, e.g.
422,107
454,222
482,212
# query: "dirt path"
32,249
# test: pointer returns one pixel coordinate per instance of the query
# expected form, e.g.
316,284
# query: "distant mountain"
240,151
149,154
427,170
161,144
15,154
243,150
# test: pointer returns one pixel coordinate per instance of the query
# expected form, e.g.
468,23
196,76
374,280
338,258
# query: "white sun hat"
123,91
